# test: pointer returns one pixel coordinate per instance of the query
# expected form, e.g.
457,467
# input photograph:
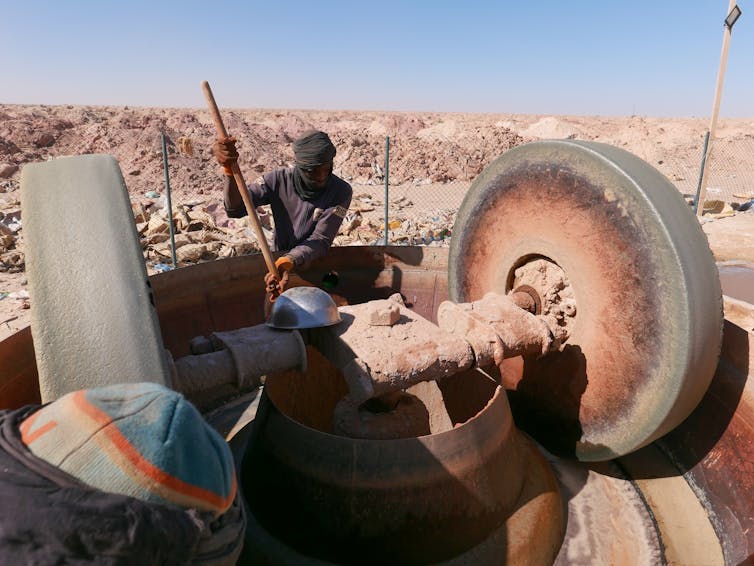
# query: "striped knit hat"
139,439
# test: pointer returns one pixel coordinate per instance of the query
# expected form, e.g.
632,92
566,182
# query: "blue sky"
550,57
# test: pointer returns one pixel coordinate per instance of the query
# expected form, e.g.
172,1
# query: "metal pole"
715,111
701,173
387,177
167,193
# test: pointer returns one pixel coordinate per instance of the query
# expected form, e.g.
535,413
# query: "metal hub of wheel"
625,271
552,294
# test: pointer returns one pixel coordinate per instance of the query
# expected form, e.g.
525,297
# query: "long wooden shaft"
238,176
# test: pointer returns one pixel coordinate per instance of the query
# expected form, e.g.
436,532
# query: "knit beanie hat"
137,439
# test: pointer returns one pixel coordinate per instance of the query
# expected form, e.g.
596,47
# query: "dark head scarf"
311,150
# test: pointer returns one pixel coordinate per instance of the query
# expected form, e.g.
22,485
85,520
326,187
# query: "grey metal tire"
92,317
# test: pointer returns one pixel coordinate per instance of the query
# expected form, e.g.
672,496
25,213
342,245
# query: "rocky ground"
433,159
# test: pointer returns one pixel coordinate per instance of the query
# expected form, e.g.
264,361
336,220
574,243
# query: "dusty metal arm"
497,328
236,360
382,347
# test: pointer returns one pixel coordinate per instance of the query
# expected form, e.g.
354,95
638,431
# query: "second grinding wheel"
612,253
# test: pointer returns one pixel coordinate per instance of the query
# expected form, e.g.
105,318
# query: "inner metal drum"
645,339
479,492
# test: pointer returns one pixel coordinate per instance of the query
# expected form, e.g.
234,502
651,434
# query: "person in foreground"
308,201
122,474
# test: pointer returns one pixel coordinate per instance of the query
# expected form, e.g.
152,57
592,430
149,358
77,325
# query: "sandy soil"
426,150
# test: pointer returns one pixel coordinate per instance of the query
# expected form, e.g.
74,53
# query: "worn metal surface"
237,361
404,416
19,380
608,523
714,447
646,336
684,523
406,500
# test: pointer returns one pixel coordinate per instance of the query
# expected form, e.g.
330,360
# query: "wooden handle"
238,176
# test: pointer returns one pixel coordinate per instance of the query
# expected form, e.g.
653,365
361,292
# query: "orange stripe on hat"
28,437
210,499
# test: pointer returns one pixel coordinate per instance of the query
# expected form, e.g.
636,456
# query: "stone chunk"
384,313
7,169
45,139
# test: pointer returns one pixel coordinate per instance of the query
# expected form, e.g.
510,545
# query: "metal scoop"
303,307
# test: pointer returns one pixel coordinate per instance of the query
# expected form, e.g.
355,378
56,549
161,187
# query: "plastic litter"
718,209
20,295
162,267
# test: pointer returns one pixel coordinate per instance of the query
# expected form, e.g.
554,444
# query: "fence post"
387,177
167,195
701,173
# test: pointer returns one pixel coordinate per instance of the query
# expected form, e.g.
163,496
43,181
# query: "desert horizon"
433,159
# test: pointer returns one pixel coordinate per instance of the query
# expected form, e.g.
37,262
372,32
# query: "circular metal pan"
645,339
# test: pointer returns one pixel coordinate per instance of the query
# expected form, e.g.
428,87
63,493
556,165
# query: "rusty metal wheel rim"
647,334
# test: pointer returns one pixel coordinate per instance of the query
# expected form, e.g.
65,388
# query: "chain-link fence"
730,176
423,213
417,213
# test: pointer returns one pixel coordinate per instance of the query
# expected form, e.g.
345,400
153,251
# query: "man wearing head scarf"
308,201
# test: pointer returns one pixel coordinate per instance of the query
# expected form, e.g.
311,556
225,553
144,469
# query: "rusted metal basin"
407,500
714,446
712,451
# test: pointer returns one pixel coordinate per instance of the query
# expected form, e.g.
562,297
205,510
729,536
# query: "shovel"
304,307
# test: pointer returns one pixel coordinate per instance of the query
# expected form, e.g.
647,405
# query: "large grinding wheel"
644,319
92,316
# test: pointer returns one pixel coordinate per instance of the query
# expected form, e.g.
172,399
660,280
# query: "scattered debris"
717,209
21,295
186,146
7,169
